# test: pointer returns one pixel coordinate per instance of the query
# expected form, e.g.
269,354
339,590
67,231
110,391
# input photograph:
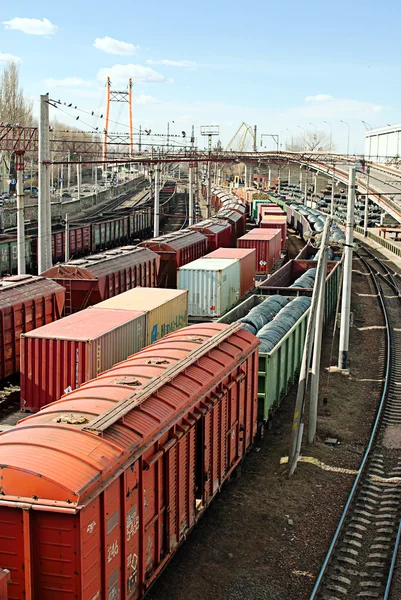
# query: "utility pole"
79,181
61,183
157,202
298,425
44,237
347,276
269,179
289,175
140,139
317,345
191,183
67,239
209,131
279,180
19,163
300,177
306,191
332,191
366,216
69,171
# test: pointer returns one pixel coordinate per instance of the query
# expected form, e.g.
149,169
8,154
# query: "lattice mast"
118,96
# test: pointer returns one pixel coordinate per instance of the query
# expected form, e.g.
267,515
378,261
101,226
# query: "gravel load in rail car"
261,314
273,332
306,280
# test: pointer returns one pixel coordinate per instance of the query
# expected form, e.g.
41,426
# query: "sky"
286,67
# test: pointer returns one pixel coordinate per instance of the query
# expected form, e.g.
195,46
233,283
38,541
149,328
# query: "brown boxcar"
276,222
237,221
101,276
217,233
247,260
80,242
72,350
267,243
109,510
26,302
176,250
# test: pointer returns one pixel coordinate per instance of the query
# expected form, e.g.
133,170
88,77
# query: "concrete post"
366,215
61,183
19,158
317,346
44,237
157,204
209,191
79,181
347,276
191,197
67,239
269,177
332,191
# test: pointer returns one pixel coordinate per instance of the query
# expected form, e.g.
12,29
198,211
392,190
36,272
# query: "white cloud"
144,99
319,98
172,63
5,57
119,74
31,26
67,82
112,46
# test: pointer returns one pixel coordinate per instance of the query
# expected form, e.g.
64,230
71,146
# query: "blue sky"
278,65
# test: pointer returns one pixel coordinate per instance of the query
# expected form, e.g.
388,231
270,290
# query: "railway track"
361,559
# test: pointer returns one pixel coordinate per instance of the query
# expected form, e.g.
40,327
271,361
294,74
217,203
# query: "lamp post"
331,134
349,131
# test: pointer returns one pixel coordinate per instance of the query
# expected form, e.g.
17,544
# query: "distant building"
384,143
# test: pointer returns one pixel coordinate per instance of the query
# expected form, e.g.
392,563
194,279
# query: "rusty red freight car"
176,250
102,276
217,233
26,302
101,487
237,221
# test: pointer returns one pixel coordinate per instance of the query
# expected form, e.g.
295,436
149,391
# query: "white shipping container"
213,285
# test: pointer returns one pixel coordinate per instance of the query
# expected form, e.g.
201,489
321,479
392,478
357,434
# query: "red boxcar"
237,221
276,222
101,276
247,260
80,242
267,243
176,250
217,233
98,516
26,302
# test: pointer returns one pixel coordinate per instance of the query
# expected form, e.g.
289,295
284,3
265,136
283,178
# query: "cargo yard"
199,331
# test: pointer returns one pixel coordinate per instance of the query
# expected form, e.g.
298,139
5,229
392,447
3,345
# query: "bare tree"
311,141
15,107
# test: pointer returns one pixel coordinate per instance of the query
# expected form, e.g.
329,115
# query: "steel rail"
372,438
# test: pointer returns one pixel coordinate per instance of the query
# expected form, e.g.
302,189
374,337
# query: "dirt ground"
265,536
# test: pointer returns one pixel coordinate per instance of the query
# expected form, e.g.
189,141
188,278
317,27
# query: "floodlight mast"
209,131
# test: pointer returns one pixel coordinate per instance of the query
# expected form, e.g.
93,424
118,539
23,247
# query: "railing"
394,248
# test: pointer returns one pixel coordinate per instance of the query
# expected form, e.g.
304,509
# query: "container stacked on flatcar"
267,243
89,281
26,302
172,423
63,355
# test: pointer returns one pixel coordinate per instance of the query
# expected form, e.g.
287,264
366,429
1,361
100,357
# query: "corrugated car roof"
99,265
210,226
174,241
19,288
48,458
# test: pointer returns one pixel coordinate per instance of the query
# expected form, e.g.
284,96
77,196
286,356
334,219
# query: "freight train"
101,487
109,230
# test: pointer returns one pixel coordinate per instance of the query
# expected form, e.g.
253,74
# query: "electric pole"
347,276
44,216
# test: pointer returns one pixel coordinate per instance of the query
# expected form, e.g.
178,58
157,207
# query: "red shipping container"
26,302
73,350
4,579
117,505
101,276
269,209
217,233
247,260
176,250
267,243
273,222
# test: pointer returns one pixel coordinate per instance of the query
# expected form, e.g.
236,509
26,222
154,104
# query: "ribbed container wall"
213,285
275,222
53,358
166,310
247,261
268,247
